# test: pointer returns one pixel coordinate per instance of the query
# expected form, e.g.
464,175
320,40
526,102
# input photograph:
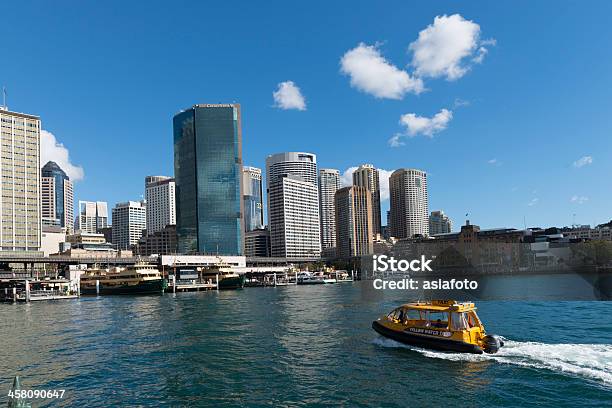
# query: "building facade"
208,176
294,218
354,224
20,221
367,176
409,203
57,197
253,198
439,223
329,183
257,243
161,204
129,222
93,216
159,243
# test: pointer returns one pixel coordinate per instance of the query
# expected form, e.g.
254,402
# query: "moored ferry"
137,279
444,325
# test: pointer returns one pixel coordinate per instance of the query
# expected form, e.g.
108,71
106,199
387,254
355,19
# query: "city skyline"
497,148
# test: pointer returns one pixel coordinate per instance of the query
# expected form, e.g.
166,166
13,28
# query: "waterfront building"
409,203
208,175
294,218
253,198
57,197
602,232
293,200
367,176
257,243
439,223
52,239
107,232
20,221
93,216
129,223
354,224
161,242
329,183
161,205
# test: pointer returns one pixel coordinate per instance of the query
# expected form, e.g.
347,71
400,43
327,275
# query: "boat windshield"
464,320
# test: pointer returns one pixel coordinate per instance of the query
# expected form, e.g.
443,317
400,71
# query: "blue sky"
107,77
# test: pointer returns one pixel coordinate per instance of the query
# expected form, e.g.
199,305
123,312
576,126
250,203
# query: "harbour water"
297,346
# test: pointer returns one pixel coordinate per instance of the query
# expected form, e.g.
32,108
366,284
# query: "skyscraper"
353,222
57,197
161,204
293,201
93,216
129,221
20,223
208,175
294,218
253,198
367,176
409,203
329,183
439,223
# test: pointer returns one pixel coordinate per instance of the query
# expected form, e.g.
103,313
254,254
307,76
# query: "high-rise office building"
409,203
367,176
439,223
293,198
353,222
161,205
93,216
129,222
20,223
208,176
294,218
257,243
329,183
57,197
253,198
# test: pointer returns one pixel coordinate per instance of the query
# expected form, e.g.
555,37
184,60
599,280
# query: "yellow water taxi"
444,325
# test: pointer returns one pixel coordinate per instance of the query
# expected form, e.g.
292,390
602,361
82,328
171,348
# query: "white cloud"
371,73
448,47
52,150
583,161
421,125
289,96
396,140
579,199
533,202
346,179
494,162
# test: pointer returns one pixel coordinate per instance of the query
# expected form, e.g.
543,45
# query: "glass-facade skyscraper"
208,173
253,198
57,197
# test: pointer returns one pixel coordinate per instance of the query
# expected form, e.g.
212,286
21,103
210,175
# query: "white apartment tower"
20,221
161,204
409,203
129,221
93,216
439,223
293,205
294,218
329,183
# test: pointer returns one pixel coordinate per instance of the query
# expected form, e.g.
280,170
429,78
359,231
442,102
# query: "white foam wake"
591,361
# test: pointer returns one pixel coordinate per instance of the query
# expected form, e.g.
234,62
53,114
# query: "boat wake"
589,361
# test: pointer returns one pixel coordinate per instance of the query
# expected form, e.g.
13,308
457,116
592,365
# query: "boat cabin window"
396,314
458,321
439,320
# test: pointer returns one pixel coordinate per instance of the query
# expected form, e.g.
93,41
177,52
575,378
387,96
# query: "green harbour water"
297,346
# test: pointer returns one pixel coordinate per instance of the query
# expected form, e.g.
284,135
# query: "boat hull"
232,282
428,342
142,288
